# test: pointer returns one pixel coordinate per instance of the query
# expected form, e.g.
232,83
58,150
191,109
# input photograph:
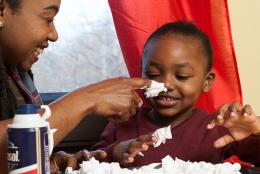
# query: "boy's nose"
169,82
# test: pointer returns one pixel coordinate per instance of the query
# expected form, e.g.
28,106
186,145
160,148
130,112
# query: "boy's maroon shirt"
191,141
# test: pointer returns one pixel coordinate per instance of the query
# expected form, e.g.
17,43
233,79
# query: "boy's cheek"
258,127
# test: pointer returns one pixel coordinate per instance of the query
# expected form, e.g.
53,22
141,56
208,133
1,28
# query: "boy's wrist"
257,133
113,155
257,130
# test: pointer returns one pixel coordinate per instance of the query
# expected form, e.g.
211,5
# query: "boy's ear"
210,78
2,9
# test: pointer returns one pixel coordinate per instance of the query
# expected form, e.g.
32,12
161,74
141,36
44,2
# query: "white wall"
245,26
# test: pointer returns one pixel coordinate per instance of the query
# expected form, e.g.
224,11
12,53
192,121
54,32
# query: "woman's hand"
240,121
116,98
125,151
61,160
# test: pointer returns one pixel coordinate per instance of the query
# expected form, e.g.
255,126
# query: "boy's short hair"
183,28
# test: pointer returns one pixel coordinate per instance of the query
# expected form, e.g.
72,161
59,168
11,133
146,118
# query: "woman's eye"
49,20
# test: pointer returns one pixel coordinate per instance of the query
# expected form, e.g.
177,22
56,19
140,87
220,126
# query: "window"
87,50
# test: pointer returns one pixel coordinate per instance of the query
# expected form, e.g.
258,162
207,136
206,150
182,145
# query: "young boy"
180,55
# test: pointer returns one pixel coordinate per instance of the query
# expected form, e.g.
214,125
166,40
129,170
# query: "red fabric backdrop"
135,20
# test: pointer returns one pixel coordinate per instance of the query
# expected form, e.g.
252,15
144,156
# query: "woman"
26,27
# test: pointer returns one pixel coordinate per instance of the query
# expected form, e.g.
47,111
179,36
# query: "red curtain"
135,20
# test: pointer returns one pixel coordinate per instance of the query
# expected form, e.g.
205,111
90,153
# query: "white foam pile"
168,166
154,89
161,134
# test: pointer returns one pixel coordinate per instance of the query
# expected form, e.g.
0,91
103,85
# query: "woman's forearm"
68,111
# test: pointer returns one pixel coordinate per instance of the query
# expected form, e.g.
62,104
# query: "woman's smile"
35,54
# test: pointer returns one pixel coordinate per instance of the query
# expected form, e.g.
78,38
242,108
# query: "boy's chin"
167,112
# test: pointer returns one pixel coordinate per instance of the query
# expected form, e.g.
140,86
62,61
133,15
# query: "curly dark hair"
7,99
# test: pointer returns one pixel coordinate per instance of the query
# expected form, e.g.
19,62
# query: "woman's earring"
1,24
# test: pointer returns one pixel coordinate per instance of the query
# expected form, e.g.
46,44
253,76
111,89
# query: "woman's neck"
173,121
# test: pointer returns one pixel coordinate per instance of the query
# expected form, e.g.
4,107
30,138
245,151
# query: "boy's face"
27,31
178,62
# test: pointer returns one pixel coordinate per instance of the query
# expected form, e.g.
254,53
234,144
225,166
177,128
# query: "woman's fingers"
139,83
137,100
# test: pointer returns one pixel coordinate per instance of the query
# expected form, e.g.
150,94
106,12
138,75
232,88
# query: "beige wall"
245,26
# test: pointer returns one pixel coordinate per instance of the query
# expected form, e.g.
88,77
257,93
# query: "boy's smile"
167,100
180,63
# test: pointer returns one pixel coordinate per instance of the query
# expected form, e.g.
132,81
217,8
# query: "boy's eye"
182,77
153,75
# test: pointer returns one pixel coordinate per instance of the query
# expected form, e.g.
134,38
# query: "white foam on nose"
154,89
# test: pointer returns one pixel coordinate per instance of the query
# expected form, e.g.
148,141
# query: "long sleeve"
118,132
248,150
107,141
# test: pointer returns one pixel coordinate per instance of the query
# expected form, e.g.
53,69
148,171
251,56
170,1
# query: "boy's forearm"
249,149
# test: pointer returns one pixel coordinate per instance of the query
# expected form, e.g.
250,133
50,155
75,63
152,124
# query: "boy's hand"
61,160
240,121
125,152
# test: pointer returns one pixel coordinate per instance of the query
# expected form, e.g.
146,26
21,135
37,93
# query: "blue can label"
28,151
